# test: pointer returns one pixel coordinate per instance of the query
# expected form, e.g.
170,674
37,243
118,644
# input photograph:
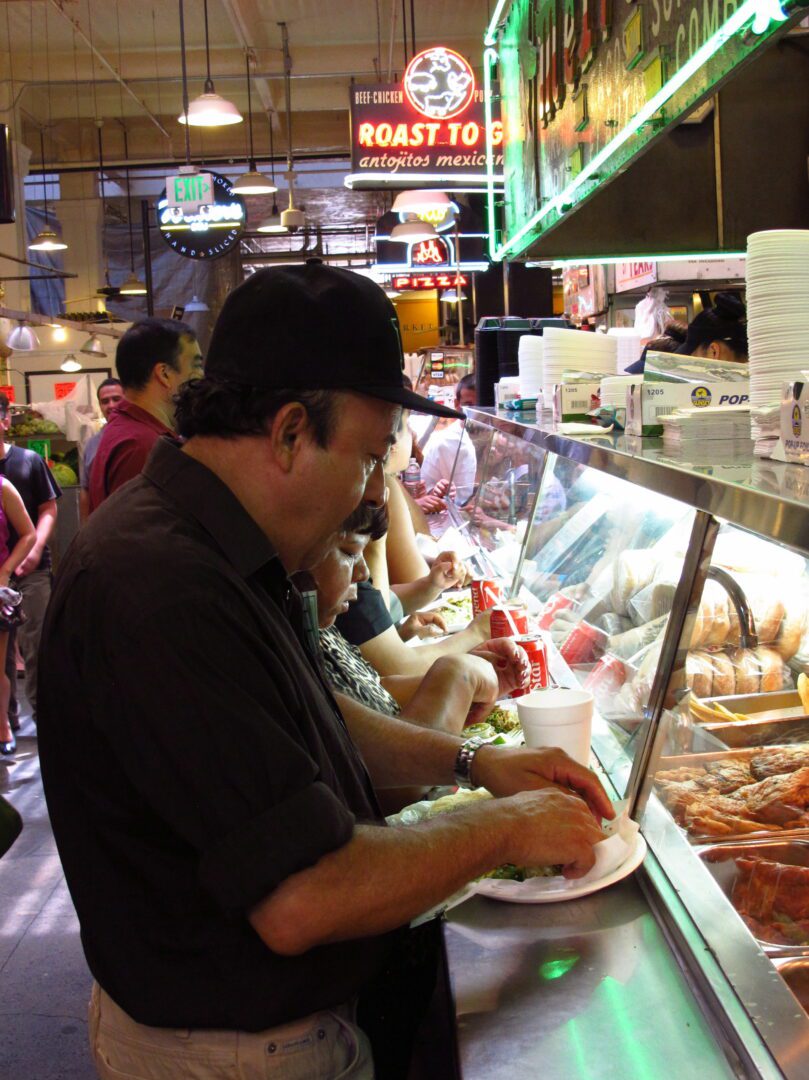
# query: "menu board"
587,85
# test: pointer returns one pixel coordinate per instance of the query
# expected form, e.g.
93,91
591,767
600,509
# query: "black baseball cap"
313,327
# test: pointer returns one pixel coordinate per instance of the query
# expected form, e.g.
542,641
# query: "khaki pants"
324,1046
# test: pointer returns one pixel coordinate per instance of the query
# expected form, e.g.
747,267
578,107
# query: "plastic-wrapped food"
612,623
584,644
720,673
626,645
634,569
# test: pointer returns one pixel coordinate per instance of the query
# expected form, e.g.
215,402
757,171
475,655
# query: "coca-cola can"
607,676
509,621
485,594
584,644
555,603
538,659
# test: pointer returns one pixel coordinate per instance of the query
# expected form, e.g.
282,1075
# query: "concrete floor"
44,981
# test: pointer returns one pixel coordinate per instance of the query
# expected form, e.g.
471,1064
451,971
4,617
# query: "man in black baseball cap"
314,327
243,906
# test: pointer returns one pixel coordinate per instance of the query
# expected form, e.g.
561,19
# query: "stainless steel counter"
586,990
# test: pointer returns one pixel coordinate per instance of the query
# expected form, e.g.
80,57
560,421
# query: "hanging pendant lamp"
196,306
291,218
47,238
22,338
133,286
412,231
209,109
272,224
93,346
70,364
252,182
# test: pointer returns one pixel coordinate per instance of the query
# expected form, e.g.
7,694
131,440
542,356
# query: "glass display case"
678,593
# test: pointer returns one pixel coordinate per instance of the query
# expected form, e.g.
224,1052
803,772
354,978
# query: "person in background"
110,395
32,478
13,515
154,358
449,456
719,332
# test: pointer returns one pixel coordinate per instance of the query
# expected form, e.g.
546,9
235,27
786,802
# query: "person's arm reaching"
405,561
447,571
45,523
14,509
390,656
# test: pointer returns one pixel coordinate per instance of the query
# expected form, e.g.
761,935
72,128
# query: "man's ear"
161,373
288,432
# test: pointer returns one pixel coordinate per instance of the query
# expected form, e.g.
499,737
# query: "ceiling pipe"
117,77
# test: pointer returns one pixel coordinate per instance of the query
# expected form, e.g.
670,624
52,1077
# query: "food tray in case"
720,859
775,718
795,973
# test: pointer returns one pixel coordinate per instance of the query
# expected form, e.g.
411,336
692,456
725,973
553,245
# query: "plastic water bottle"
412,476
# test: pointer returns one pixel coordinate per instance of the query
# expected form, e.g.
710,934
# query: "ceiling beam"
59,5
246,36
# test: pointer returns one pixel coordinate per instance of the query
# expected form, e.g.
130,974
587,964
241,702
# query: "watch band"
464,759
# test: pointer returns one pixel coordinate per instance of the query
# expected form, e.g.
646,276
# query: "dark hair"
466,383
725,321
149,342
107,382
4,406
213,406
407,382
367,521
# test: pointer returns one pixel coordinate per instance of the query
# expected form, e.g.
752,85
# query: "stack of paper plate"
630,345
530,365
614,387
575,350
777,308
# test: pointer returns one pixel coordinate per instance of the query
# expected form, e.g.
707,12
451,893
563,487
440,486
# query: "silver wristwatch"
463,762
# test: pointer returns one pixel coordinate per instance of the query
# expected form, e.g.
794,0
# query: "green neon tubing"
491,33
490,58
762,12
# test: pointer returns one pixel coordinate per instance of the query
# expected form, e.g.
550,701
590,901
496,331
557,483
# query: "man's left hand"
29,563
506,771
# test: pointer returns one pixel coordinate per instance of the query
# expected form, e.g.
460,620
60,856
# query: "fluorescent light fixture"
385,270
22,338
489,59
211,110
762,12
47,240
376,177
70,364
133,286
195,306
613,260
253,183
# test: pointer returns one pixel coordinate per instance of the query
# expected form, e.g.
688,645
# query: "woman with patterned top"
13,515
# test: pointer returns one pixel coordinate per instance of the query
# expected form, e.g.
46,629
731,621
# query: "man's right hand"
550,827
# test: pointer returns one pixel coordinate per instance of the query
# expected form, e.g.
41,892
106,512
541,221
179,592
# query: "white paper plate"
555,890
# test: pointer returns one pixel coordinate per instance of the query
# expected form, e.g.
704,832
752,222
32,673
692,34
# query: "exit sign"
189,192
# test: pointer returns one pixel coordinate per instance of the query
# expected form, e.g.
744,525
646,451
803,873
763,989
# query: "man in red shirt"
154,358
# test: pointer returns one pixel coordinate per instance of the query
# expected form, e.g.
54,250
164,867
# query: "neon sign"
430,253
410,282
429,128
207,232
439,83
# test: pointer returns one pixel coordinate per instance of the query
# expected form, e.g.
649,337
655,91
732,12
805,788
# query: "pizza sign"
409,282
430,253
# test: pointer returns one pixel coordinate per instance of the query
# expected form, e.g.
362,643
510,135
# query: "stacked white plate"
777,311
575,350
529,358
630,345
614,387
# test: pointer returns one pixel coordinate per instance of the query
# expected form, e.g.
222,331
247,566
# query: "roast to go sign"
191,191
206,231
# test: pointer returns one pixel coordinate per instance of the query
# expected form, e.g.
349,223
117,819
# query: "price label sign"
9,392
190,192
63,389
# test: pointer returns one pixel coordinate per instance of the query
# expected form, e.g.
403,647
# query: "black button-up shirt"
192,757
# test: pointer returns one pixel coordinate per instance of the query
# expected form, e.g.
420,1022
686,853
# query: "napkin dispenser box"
574,401
795,421
647,401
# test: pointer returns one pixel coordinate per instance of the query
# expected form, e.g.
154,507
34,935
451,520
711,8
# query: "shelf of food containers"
675,588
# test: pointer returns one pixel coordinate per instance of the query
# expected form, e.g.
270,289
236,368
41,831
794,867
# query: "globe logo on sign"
439,83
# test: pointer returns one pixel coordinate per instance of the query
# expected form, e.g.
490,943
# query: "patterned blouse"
350,673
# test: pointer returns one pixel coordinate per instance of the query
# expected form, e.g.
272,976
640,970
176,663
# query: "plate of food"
618,856
455,608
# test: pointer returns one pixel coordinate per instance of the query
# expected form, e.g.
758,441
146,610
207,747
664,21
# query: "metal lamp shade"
211,110
93,346
23,339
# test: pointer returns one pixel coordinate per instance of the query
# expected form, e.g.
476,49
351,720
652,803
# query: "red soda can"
607,676
502,627
485,594
534,646
557,602
584,644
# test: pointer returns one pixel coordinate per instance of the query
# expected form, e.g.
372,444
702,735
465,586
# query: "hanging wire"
272,151
129,205
186,125
50,122
208,81
252,157
44,177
